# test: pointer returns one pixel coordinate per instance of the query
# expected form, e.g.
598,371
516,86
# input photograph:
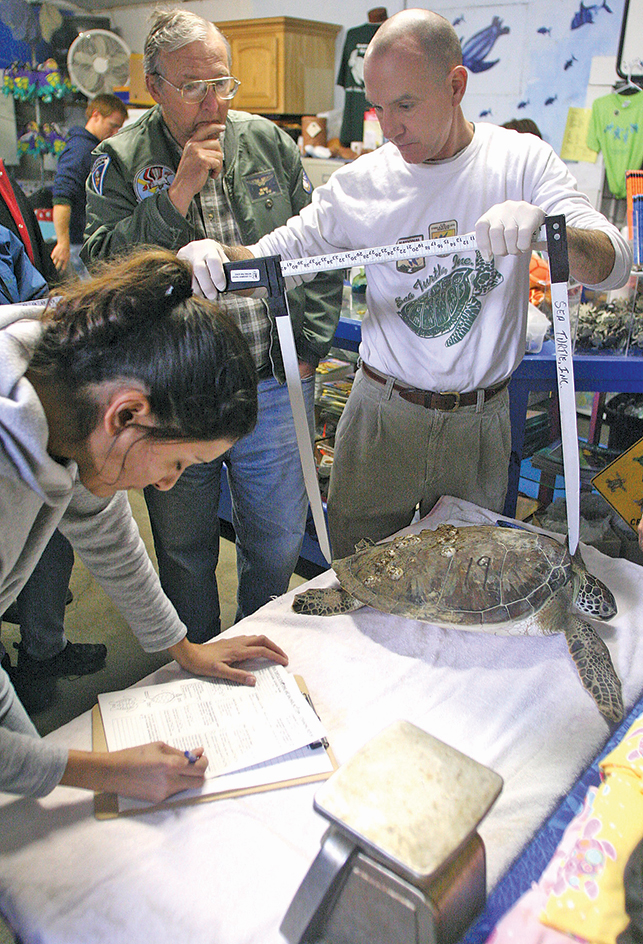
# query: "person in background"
523,126
44,652
123,382
16,213
20,281
428,414
191,168
105,116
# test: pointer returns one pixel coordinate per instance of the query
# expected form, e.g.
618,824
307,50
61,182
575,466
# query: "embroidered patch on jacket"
151,180
262,184
308,187
97,173
409,266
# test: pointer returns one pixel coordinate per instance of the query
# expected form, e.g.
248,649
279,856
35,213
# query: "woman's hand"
217,658
150,772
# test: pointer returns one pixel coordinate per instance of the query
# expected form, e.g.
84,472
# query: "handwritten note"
567,402
574,145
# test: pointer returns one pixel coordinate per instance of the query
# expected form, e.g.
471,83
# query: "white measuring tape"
379,254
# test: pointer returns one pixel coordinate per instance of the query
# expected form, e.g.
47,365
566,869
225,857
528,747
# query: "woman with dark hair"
122,382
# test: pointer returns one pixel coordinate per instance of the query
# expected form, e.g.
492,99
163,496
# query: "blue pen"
191,757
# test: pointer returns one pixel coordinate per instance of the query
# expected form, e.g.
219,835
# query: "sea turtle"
484,578
452,302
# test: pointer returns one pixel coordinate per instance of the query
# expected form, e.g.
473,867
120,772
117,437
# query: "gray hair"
174,29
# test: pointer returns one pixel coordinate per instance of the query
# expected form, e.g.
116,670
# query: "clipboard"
106,804
621,484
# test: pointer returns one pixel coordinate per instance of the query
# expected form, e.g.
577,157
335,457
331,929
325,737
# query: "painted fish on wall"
481,44
587,14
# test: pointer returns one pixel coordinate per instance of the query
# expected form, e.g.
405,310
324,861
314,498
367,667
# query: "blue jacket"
72,171
19,280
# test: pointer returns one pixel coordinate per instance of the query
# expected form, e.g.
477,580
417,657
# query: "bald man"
428,414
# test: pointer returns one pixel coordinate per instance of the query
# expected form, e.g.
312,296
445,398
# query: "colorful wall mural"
532,60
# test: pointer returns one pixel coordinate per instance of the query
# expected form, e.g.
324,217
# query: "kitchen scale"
401,862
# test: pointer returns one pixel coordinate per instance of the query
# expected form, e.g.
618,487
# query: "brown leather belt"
447,400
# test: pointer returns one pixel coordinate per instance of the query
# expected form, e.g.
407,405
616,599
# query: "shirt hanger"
627,86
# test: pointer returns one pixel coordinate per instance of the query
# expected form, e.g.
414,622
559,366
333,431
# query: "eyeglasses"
194,92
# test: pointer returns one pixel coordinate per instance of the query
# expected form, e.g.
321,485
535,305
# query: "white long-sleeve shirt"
451,322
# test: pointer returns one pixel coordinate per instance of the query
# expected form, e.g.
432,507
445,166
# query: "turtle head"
591,596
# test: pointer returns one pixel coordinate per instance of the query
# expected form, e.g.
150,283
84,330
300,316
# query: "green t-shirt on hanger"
616,129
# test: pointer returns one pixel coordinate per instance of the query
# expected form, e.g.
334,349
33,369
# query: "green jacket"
264,180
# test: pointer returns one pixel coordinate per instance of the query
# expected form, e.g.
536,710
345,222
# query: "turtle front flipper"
594,663
325,602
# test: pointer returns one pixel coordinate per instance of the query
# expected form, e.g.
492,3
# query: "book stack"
334,394
332,368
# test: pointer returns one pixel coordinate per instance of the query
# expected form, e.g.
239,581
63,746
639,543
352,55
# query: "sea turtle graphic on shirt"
451,303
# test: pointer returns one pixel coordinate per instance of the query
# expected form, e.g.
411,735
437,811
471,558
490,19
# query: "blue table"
611,373
597,372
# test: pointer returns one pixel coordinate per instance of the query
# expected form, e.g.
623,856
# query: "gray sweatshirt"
38,495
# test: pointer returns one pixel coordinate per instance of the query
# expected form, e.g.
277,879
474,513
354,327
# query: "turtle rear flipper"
594,663
325,602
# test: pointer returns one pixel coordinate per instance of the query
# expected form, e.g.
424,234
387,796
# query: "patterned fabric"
532,862
585,876
249,313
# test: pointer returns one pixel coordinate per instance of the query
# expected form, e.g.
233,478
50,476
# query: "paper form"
306,764
239,726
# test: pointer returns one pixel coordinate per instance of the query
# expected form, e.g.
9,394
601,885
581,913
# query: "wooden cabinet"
286,65
138,94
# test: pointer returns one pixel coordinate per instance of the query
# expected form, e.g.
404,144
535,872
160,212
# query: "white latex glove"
206,257
507,229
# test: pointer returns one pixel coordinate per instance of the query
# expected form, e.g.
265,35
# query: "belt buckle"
456,404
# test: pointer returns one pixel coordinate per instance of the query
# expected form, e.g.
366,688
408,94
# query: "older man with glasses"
189,169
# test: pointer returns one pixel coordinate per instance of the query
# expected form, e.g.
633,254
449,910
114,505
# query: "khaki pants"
391,455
